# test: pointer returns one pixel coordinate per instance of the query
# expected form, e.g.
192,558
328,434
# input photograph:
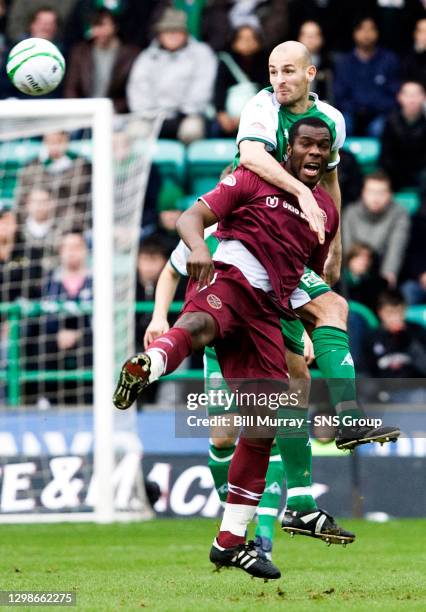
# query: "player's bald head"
291,51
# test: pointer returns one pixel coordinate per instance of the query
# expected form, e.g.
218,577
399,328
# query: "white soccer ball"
35,66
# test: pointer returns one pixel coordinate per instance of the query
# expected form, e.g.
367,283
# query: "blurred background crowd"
198,62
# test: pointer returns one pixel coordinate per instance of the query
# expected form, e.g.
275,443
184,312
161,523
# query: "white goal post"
28,118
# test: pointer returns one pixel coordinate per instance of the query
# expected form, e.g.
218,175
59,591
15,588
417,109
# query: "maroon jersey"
270,224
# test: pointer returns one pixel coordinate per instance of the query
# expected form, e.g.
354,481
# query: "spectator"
350,177
100,67
241,73
65,175
380,223
396,16
366,82
134,18
221,17
168,215
414,65
403,143
361,281
152,258
40,229
21,12
414,271
20,267
175,75
398,348
69,336
310,34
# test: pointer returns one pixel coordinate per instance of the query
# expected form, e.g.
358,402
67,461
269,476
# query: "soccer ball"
35,66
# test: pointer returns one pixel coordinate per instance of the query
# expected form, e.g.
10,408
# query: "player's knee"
340,307
200,325
224,441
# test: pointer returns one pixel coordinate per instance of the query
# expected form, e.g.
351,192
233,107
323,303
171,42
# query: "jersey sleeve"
179,257
233,191
259,121
339,140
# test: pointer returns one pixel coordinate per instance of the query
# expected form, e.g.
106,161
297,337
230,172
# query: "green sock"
269,504
219,462
334,359
296,453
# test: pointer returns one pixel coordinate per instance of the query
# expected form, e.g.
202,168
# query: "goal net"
72,185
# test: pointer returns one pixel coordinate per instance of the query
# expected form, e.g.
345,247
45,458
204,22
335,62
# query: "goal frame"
98,113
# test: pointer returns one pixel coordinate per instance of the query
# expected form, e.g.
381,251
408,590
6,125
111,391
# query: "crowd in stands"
198,62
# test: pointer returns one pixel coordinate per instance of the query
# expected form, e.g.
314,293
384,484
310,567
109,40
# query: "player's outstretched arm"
164,294
190,226
253,155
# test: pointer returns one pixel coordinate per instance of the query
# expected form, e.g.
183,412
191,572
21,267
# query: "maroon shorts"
249,342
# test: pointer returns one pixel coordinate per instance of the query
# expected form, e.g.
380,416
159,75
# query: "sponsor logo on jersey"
324,215
213,301
229,180
272,201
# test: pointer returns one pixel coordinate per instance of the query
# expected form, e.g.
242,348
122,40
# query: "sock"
332,354
168,351
269,504
219,462
296,453
246,483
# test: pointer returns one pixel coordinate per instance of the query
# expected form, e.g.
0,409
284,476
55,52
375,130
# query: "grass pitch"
163,565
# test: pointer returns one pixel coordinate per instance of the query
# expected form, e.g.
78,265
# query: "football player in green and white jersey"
262,140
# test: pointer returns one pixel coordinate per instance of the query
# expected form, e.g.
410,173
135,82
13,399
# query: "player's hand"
200,266
156,328
313,213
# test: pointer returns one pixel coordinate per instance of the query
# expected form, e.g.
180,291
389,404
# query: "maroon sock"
246,482
174,346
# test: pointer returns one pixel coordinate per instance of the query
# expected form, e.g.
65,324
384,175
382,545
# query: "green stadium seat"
169,157
409,199
14,155
416,314
364,312
205,161
366,151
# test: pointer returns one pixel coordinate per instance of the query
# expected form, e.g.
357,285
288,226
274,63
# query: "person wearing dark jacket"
403,150
366,82
100,66
397,349
414,63
414,269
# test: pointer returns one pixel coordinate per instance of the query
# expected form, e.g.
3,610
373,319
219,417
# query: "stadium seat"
416,314
364,312
366,151
205,161
14,155
169,156
409,199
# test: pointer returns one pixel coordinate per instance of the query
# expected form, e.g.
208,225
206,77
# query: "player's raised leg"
192,331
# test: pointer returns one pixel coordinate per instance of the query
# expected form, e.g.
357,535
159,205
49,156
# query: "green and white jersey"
264,119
